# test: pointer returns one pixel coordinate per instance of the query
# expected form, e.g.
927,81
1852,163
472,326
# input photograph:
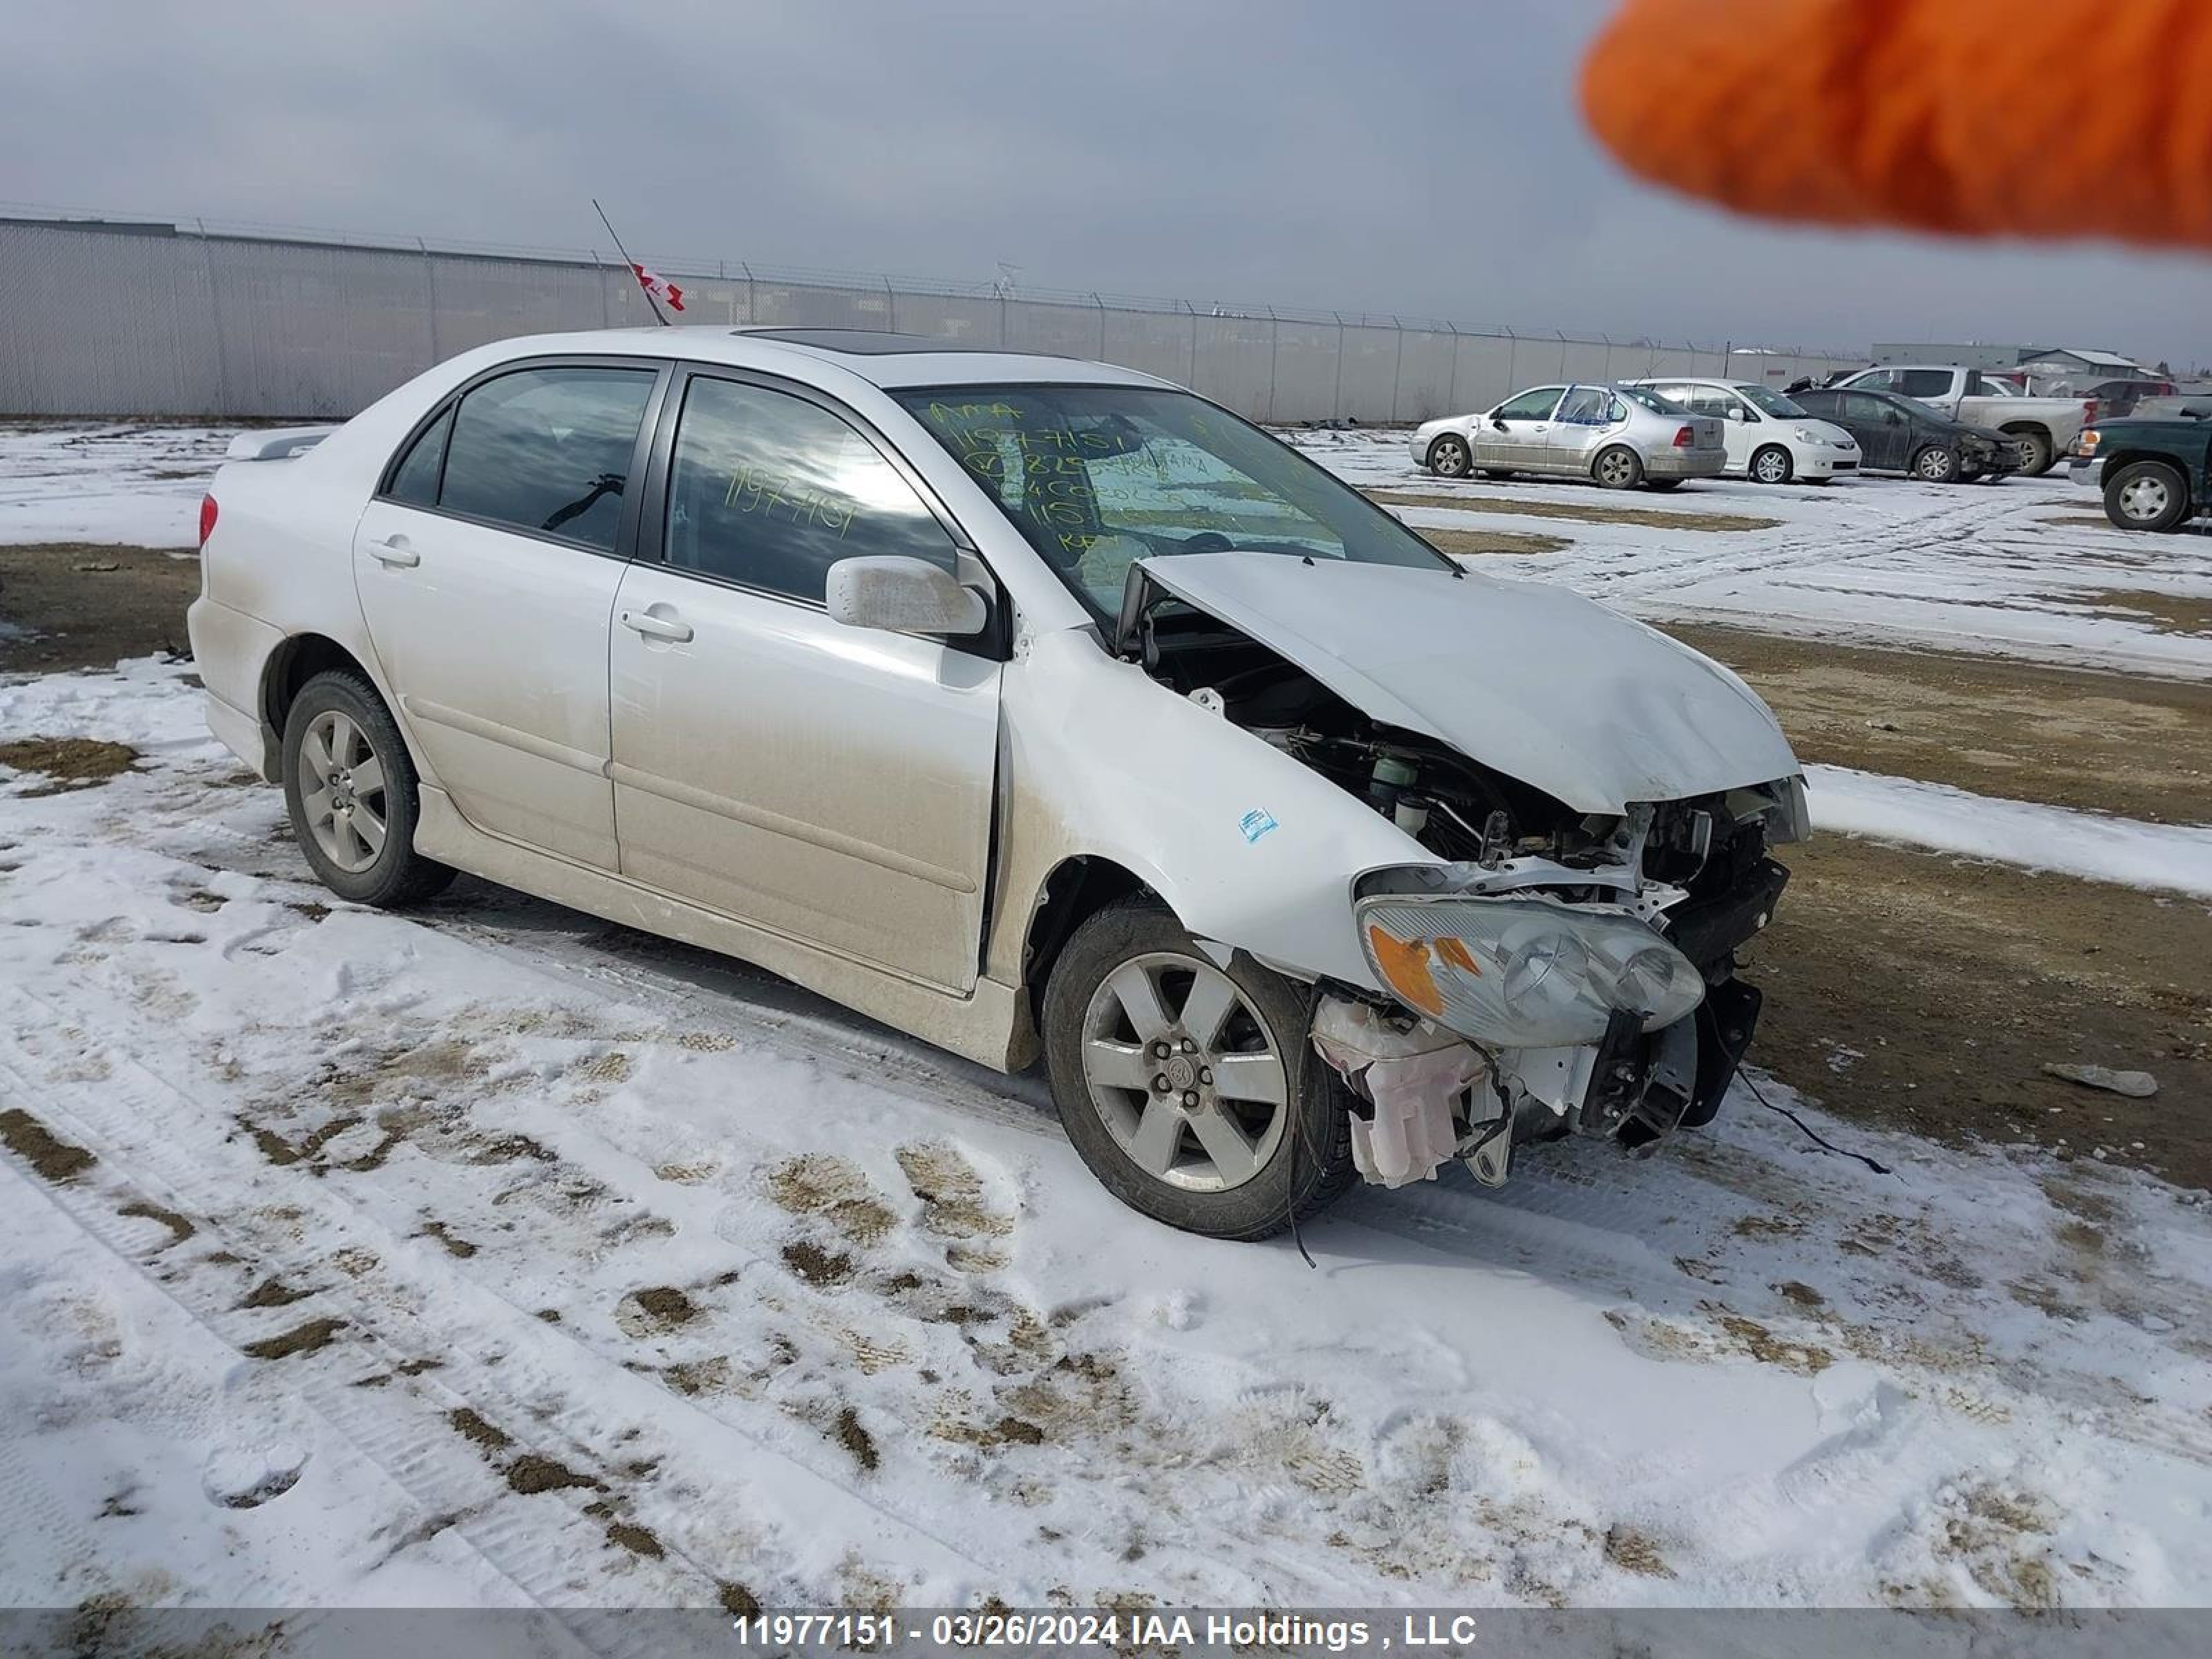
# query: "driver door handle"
656,628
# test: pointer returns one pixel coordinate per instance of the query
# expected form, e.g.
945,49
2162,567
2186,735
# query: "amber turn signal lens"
1406,969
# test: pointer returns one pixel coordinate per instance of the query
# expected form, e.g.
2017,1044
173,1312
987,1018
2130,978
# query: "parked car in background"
1040,708
2155,474
2116,399
1620,436
1770,440
1902,435
2042,428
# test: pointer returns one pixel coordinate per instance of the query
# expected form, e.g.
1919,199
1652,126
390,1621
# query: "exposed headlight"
1524,973
1805,434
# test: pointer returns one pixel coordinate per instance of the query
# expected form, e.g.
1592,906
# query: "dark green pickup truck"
2155,474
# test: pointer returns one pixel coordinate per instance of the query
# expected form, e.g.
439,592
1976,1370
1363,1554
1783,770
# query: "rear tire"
1449,457
350,786
1617,468
1937,464
2148,496
1234,1164
2035,452
1771,464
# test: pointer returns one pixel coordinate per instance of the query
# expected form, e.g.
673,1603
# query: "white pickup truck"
2043,428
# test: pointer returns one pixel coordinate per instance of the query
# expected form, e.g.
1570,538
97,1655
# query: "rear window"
547,450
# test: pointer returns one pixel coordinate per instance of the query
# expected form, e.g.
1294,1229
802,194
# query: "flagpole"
631,263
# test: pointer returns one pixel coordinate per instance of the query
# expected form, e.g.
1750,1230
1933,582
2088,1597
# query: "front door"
1884,433
487,567
831,784
1512,436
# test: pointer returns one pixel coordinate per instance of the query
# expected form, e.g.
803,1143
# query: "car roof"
884,359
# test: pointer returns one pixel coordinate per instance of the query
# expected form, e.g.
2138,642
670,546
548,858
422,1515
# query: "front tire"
350,786
1772,465
2147,496
1448,456
1233,1131
1617,468
1937,464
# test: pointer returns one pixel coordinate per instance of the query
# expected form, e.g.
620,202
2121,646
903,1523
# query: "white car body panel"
1595,710
874,816
1817,449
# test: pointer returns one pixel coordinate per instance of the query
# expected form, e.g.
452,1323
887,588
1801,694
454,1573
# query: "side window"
548,450
771,490
1870,410
1585,405
1535,405
1874,379
1923,382
415,480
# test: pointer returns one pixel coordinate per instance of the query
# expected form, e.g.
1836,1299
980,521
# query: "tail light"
207,519
2088,411
1683,438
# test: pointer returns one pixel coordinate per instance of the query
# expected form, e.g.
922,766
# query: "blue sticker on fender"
1256,823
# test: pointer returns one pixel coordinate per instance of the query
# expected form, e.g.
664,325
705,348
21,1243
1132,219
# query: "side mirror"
902,595
1499,421
1893,417
1737,413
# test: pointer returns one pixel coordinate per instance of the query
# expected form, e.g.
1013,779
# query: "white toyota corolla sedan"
1037,708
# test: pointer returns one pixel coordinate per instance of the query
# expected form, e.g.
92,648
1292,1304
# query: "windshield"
1771,403
1651,400
1098,477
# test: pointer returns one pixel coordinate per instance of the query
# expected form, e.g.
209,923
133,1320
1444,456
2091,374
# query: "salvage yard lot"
492,1253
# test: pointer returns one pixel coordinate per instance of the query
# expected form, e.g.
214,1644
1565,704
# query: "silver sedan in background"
1620,436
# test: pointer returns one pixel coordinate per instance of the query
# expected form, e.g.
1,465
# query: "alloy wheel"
1771,466
1616,467
343,791
1183,1072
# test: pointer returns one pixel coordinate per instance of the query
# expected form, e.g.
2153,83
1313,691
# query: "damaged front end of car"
1585,979
1564,961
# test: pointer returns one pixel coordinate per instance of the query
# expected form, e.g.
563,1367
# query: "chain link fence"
140,319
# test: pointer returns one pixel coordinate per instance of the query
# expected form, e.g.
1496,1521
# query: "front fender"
1244,844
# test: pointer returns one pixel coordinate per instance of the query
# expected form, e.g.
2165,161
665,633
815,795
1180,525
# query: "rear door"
487,568
1515,434
1586,417
826,783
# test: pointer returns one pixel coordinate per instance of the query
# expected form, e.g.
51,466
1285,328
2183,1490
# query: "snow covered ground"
493,1255
2026,568
490,1255
137,485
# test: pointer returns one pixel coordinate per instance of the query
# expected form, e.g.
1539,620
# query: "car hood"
1529,679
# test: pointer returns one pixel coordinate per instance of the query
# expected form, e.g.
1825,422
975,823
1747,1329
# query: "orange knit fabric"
2056,118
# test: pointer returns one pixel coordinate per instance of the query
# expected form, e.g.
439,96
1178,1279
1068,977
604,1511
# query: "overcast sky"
1413,158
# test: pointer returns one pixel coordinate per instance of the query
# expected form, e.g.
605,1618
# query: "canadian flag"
658,286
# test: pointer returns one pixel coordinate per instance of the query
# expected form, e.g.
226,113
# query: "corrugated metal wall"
129,320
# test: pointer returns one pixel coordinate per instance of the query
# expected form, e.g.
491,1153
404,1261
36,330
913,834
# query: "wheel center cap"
1182,1073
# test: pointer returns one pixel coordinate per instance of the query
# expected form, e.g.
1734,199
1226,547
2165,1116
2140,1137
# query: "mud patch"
951,1193
67,763
180,1227
638,1540
1464,544
50,1158
273,1293
2165,613
850,1432
655,1310
825,1185
1634,1552
816,1265
310,1338
532,1472
454,1244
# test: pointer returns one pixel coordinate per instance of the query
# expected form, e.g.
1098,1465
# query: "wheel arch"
1465,441
296,661
1073,891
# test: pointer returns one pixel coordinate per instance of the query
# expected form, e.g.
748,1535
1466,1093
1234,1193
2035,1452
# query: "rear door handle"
395,551
656,628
